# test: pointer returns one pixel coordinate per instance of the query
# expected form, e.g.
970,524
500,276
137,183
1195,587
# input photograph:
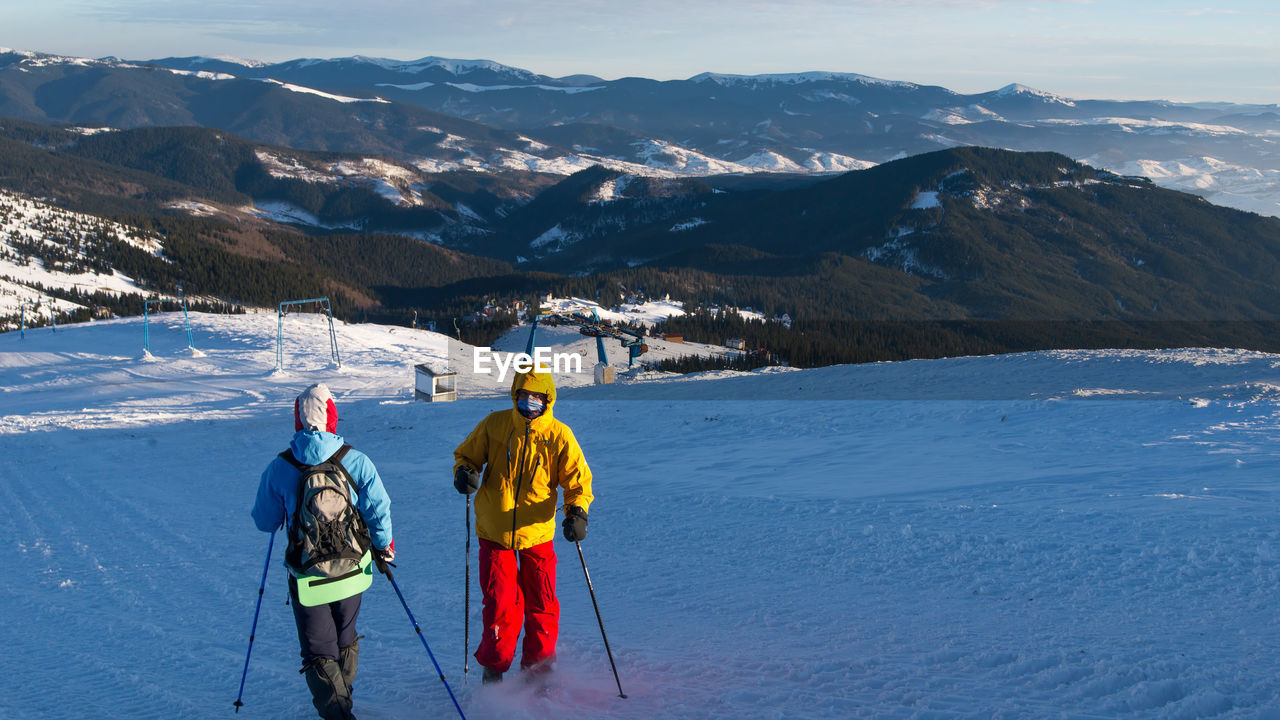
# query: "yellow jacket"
524,462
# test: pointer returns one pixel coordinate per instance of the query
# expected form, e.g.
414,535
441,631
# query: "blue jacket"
278,488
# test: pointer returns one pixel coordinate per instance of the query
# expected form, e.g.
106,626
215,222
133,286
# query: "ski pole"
261,588
594,604
466,603
430,654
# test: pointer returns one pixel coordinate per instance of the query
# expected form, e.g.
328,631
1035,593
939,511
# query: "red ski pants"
516,596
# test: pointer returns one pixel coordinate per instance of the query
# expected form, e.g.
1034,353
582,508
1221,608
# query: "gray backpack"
328,535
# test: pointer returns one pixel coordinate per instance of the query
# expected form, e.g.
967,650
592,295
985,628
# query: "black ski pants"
323,629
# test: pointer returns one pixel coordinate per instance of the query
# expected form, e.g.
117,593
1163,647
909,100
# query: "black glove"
382,558
466,479
575,523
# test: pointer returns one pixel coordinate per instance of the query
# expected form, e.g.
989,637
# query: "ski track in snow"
1070,534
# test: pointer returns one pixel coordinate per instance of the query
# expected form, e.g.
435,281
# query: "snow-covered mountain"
340,117
1084,534
810,122
963,233
44,247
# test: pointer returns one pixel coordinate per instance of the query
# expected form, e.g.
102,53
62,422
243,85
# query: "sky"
1183,50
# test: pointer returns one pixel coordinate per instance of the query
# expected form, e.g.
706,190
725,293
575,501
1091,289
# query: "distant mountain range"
433,188
441,115
953,234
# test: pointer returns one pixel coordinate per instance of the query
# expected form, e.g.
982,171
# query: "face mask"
530,407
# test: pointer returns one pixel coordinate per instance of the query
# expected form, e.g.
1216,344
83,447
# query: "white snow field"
1044,535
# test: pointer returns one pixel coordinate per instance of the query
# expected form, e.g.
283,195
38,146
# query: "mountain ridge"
333,187
830,122
963,233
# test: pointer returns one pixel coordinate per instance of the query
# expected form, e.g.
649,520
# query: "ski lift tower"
146,321
186,320
592,326
333,335
146,324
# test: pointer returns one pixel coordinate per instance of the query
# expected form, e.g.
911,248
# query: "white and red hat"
314,410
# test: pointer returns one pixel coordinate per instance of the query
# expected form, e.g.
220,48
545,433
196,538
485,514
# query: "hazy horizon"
1125,50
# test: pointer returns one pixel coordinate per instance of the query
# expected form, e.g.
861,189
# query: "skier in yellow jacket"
525,453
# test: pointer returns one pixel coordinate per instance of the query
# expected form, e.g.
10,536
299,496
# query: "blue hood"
312,447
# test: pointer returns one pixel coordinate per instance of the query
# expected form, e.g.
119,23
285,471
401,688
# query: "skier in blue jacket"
327,633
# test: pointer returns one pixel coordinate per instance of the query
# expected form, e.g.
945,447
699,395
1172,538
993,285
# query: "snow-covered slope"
1062,534
1222,183
651,158
72,242
646,313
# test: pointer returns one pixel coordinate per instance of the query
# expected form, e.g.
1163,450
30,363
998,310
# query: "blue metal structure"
595,327
186,320
146,321
146,324
333,335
